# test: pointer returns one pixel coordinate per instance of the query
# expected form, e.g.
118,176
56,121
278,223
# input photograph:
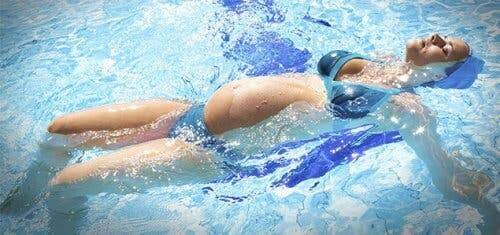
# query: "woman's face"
435,48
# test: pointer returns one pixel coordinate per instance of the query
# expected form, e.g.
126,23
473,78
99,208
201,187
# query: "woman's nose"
437,40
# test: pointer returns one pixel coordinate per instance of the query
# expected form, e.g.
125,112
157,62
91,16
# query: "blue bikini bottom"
191,127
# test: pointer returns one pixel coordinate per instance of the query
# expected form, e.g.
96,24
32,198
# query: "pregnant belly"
246,102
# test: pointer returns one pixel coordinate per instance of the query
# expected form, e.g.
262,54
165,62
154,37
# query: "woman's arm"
114,117
417,125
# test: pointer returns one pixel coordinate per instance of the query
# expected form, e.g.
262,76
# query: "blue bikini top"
349,100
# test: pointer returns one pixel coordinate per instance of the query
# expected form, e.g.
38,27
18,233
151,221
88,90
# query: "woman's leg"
115,116
135,168
142,121
117,125
153,163
33,186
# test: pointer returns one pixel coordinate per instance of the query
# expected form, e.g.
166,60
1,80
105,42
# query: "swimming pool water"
58,57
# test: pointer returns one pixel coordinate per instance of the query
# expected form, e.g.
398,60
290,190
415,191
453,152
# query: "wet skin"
246,102
240,103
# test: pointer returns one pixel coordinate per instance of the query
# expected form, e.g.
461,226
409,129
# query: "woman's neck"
418,75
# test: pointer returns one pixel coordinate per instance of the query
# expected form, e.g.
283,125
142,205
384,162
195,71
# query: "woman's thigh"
115,116
157,128
157,161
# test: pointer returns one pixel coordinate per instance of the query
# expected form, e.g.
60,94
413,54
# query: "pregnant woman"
161,129
187,135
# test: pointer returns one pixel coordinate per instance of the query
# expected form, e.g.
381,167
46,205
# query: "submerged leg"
154,163
67,215
134,168
23,196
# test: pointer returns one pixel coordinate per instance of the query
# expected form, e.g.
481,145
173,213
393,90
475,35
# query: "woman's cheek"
412,54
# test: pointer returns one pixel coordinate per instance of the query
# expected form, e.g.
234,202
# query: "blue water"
58,57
